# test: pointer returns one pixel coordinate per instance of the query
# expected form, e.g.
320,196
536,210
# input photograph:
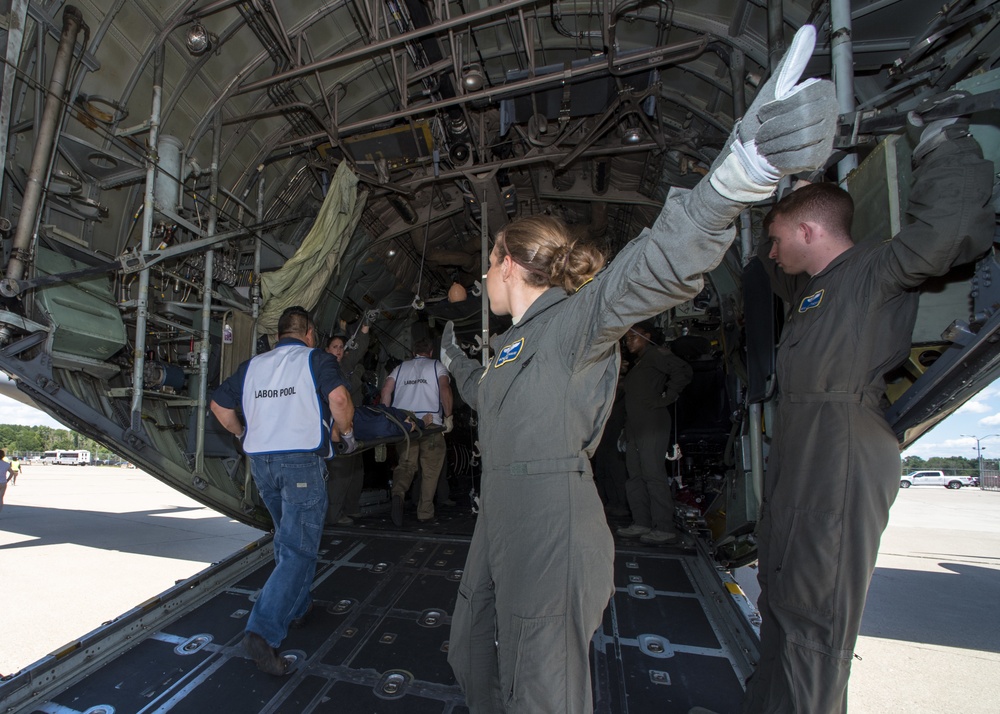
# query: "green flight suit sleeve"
663,267
467,373
950,220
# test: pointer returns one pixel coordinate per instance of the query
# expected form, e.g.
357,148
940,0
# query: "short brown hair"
423,346
826,203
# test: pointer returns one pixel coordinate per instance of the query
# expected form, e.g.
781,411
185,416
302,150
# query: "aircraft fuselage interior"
176,172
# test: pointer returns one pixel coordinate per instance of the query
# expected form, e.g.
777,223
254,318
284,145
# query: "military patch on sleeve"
509,353
811,301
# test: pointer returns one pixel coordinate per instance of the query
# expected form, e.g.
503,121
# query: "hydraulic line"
44,143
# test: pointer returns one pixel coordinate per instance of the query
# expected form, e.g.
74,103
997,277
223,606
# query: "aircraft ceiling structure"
164,141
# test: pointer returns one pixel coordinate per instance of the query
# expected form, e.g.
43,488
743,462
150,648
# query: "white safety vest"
281,403
417,389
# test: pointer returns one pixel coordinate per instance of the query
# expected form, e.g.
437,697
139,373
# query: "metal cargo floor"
672,637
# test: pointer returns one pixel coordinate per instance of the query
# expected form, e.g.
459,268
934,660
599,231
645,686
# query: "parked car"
936,478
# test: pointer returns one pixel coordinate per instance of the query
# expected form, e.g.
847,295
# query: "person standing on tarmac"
833,468
539,572
654,383
420,385
287,397
347,473
15,469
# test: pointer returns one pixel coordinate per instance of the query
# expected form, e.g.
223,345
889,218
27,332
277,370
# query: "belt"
573,464
844,397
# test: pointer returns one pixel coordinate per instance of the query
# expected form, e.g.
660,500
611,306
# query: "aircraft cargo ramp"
676,634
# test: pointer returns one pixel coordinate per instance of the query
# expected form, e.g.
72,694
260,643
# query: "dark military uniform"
833,468
651,386
539,570
610,474
347,474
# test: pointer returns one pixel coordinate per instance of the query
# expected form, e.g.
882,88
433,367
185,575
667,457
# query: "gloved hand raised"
928,135
789,127
449,345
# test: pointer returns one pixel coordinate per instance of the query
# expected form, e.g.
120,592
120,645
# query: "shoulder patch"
811,301
509,353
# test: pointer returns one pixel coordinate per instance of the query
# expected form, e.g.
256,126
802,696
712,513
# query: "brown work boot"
267,658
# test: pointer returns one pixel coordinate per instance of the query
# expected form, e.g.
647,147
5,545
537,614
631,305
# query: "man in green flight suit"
833,468
653,383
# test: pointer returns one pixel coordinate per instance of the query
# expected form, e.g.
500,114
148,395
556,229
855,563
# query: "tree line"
28,440
957,465
25,440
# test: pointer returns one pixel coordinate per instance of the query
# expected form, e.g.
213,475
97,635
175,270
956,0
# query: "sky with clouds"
955,436
14,412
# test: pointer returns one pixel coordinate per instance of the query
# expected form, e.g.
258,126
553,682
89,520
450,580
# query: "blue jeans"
293,487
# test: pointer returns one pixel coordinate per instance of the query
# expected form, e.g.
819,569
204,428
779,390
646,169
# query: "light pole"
979,450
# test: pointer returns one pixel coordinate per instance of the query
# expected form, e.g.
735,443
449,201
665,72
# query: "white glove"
347,442
789,128
449,424
622,443
449,345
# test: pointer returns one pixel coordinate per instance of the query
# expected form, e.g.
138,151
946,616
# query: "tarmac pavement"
930,637
81,545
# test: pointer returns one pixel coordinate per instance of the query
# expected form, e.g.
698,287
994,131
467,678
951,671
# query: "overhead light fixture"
631,135
509,195
459,154
473,78
199,39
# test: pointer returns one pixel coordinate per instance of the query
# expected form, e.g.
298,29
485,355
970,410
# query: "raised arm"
788,128
950,218
464,369
353,356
